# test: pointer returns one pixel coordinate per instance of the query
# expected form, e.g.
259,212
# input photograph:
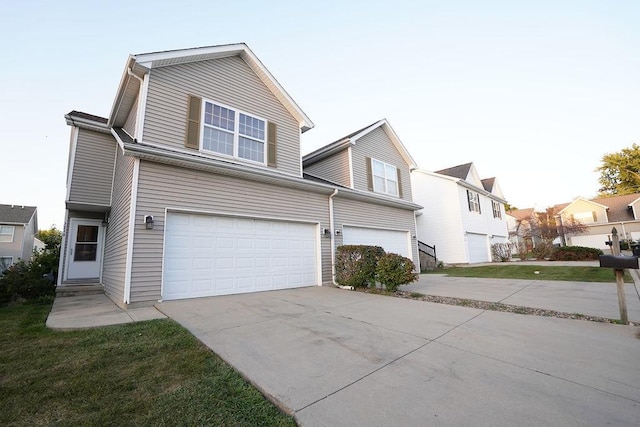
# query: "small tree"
549,225
620,172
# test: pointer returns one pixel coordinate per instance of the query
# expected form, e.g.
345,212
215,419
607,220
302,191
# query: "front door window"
86,243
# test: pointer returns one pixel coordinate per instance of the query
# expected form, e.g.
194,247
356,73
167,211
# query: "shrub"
522,251
356,265
501,252
543,250
394,270
29,281
576,253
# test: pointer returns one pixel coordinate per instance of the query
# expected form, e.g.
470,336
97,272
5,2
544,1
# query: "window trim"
473,200
236,133
13,233
497,210
386,179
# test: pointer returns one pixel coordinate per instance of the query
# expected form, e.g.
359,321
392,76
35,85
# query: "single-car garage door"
478,250
208,255
393,241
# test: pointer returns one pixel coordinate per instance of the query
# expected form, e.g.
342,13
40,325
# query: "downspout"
129,72
333,243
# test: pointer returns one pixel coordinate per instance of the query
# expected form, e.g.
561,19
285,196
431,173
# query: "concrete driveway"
589,298
341,358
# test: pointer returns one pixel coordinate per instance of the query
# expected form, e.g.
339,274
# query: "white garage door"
478,249
591,241
208,255
393,241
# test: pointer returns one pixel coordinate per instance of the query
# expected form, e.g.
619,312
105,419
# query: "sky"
533,93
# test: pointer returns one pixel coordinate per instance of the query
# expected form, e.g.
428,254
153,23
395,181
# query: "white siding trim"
237,215
113,178
318,254
142,107
63,247
350,167
72,159
164,245
131,231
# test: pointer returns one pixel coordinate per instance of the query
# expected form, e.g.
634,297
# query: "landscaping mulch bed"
491,306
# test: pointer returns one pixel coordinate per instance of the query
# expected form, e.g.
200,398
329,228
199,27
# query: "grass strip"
144,373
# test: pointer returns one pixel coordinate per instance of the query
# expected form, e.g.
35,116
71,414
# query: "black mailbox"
619,262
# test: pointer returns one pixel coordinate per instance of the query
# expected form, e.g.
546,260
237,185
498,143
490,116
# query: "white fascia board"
142,107
72,159
131,231
393,136
124,80
326,151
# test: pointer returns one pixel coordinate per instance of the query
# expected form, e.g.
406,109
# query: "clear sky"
534,93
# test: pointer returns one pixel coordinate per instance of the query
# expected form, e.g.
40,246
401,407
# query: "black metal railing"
428,258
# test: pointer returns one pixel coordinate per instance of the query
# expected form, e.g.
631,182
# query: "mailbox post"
619,263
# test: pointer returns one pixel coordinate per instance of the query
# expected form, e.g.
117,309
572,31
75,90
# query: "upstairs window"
385,178
497,211
6,233
233,133
586,217
474,201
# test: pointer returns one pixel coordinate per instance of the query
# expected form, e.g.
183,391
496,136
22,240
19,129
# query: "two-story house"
463,214
600,216
194,186
18,227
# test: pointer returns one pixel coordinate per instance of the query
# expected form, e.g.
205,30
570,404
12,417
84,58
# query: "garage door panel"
477,247
212,255
393,241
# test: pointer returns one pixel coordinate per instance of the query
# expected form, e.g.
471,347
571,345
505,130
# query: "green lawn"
147,373
508,271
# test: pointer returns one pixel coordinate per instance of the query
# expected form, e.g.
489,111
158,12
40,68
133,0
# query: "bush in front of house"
356,265
576,253
543,250
29,281
394,270
501,252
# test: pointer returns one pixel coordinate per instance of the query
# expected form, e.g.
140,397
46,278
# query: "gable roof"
15,214
139,65
487,183
618,207
460,171
351,139
521,214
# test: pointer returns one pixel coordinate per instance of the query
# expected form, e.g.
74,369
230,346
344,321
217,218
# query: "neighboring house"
600,215
193,186
371,161
520,231
18,226
463,215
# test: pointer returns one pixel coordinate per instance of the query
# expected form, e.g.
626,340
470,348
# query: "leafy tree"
508,207
546,226
620,172
51,237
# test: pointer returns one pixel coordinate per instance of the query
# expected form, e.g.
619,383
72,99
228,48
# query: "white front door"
85,245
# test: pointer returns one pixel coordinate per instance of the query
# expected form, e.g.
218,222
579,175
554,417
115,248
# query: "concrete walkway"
588,298
89,311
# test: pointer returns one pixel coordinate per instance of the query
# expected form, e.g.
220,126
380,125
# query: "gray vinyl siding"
163,186
27,240
377,145
15,248
115,253
92,168
228,81
362,214
334,168
130,123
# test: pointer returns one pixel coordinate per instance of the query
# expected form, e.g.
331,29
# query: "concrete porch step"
68,290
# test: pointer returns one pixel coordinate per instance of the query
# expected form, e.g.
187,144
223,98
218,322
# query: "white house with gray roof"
18,226
463,215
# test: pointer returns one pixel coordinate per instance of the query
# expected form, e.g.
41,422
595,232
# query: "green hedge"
394,270
29,281
356,265
575,253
